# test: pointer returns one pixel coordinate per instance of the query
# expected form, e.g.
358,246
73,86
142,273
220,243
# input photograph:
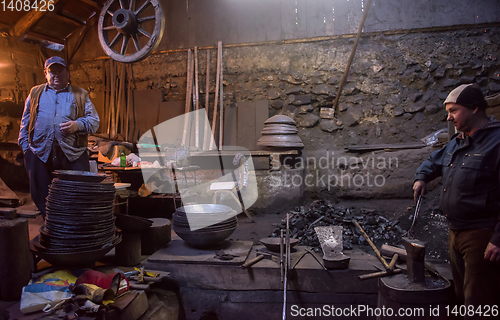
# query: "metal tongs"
411,233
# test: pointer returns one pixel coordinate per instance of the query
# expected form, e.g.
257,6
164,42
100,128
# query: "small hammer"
259,257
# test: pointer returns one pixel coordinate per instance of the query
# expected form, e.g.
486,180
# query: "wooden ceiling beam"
92,4
67,20
27,21
39,36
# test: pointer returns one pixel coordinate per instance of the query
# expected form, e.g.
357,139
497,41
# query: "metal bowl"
205,239
204,208
280,119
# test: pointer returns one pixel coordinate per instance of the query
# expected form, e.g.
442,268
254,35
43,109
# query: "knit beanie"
467,95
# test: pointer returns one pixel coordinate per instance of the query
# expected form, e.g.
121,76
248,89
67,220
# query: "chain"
17,87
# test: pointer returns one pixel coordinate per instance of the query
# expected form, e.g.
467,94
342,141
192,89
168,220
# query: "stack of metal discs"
204,225
79,217
280,131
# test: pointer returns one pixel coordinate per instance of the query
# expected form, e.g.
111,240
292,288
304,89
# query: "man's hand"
418,189
492,252
69,127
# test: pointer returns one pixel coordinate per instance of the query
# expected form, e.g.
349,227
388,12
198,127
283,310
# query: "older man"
56,120
470,168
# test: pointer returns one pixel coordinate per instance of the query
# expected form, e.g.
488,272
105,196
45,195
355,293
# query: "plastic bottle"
123,160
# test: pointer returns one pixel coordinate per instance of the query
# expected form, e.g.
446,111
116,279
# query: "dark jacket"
470,169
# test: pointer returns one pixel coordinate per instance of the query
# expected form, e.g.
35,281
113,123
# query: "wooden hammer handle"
367,238
252,262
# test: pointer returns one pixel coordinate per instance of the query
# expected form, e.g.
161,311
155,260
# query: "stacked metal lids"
79,218
280,131
204,225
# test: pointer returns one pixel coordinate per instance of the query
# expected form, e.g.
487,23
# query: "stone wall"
394,93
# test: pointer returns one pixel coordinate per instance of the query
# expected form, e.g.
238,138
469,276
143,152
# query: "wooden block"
128,251
327,113
136,308
156,237
8,213
15,271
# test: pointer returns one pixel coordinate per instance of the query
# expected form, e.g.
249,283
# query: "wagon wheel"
126,24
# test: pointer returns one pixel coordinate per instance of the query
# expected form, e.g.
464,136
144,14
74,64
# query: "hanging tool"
189,89
216,100
221,95
196,97
206,133
411,232
353,52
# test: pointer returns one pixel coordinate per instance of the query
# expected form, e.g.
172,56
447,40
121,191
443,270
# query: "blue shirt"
56,107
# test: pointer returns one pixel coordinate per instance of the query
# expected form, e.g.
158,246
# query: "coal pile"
324,213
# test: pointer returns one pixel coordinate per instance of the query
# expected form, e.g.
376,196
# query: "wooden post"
104,95
206,134
189,88
353,52
129,102
221,118
197,96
